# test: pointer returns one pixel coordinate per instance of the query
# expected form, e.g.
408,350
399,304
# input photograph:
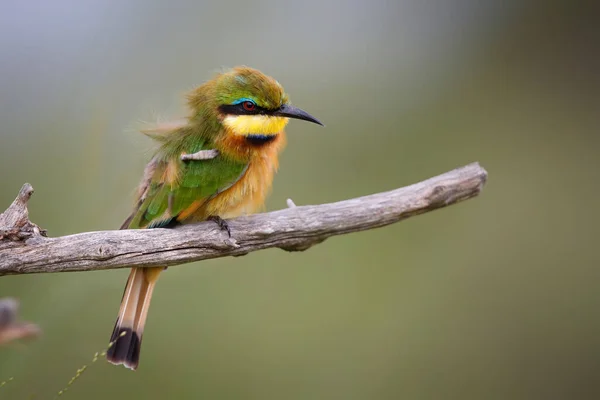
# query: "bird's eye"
249,106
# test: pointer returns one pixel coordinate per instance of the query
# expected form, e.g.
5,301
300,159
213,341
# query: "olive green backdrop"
495,298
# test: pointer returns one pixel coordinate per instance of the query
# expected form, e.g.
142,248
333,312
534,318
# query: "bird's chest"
248,194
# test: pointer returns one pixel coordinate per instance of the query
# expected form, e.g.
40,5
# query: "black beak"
289,111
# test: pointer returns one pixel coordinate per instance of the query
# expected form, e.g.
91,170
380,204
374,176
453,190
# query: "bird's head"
248,103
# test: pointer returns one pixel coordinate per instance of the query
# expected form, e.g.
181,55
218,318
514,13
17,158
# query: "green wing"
159,203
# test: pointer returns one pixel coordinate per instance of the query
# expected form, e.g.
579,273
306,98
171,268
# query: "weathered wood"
291,229
14,222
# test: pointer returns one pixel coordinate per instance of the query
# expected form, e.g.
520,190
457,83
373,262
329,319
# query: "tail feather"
126,339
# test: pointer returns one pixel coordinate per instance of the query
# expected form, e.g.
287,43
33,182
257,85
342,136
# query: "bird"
236,124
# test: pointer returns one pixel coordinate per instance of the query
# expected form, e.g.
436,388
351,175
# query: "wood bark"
24,249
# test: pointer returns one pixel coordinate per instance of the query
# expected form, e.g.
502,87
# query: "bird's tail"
126,339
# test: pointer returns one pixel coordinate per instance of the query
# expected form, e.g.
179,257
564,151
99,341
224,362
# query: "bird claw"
221,222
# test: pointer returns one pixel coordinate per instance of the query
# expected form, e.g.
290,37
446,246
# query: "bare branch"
290,203
292,229
14,222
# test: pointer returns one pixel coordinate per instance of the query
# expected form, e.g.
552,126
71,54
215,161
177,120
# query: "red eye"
248,106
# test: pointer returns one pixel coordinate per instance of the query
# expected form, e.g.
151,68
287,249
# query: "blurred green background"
495,298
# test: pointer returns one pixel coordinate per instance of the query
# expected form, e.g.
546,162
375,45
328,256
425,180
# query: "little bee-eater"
241,114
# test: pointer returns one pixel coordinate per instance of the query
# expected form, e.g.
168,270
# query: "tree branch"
25,251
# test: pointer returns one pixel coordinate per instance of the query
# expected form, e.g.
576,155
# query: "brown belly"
246,196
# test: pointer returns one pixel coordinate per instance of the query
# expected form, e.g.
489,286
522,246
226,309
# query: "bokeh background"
495,298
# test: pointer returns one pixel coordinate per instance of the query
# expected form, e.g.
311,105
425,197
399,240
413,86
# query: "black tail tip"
124,348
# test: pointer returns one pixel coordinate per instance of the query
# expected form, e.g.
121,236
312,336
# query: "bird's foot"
221,222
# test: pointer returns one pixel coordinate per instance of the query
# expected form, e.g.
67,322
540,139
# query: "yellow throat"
255,124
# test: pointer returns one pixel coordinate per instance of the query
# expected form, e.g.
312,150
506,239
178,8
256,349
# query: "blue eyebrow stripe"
243,99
